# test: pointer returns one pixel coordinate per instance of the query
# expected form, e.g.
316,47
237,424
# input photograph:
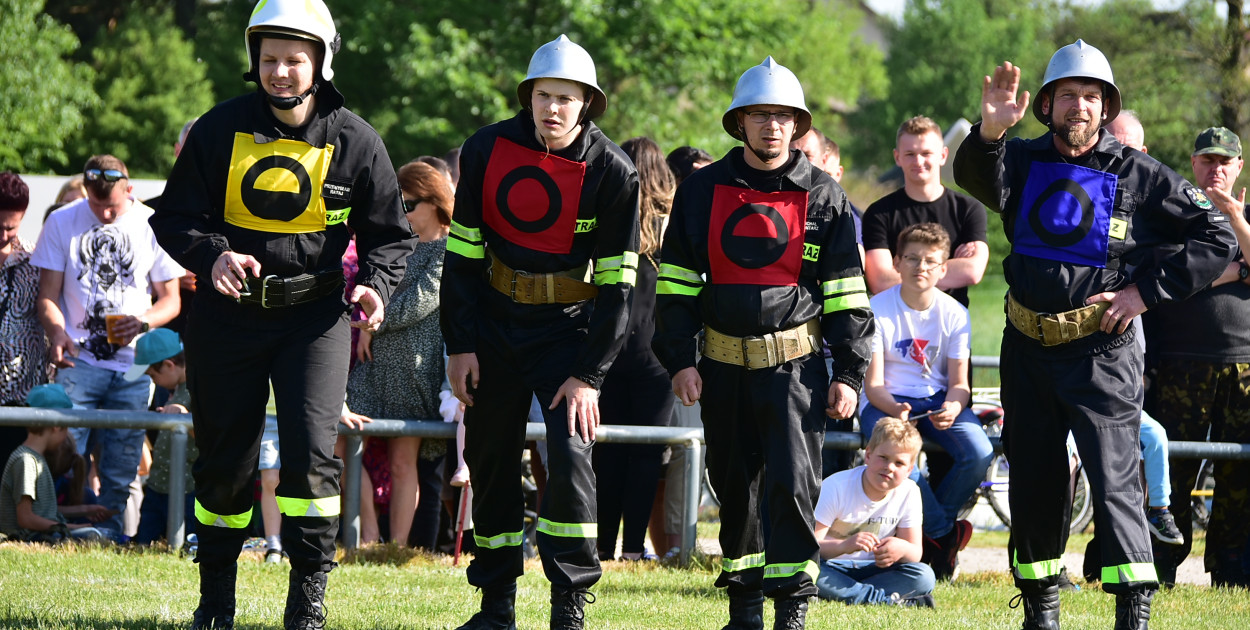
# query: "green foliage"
150,85
42,94
1172,83
938,58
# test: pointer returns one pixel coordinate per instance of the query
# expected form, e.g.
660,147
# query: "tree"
938,57
150,85
42,94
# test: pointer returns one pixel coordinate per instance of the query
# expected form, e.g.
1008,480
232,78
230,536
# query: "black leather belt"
274,291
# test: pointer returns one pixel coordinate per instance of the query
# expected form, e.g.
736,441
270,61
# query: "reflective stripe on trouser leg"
494,436
774,415
568,528
212,519
326,506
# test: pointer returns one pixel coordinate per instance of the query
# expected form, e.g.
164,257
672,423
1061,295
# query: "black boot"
216,609
305,601
1132,610
791,613
498,610
1041,609
568,607
746,612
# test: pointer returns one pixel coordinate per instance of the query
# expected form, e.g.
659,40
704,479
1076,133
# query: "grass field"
104,589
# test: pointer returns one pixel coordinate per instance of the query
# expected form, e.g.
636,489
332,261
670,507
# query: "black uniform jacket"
543,212
1110,218
751,255
245,182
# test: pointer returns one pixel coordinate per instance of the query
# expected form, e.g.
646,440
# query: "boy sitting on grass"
28,509
868,522
919,366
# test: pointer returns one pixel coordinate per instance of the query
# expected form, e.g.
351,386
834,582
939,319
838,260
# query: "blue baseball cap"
154,347
50,396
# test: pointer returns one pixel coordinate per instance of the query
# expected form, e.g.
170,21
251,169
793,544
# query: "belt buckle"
746,354
264,290
1041,335
515,273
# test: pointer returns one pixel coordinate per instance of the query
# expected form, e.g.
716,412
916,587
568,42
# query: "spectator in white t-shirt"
868,522
98,260
919,364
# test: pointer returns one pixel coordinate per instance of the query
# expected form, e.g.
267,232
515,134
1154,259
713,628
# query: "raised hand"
1001,106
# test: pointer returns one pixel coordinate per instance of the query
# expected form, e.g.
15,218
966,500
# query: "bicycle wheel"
997,480
1082,503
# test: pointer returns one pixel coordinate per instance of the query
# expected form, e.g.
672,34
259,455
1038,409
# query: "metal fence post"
175,527
690,516
351,492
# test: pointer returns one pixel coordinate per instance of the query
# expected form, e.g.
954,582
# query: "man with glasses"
760,258
1099,233
100,268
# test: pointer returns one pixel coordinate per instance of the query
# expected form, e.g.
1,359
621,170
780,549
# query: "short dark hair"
101,188
14,193
931,234
682,160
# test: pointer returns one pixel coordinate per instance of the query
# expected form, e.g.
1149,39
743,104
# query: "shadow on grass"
8,619
390,554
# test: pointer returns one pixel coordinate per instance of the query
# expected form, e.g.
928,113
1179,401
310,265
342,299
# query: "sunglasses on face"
411,204
108,175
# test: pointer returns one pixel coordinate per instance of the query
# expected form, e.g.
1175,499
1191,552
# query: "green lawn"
101,589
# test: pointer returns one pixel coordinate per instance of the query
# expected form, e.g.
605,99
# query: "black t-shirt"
961,215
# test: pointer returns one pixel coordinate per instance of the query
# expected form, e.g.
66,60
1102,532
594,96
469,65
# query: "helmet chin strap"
291,102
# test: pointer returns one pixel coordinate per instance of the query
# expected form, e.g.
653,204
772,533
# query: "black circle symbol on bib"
1076,234
746,244
554,199
272,204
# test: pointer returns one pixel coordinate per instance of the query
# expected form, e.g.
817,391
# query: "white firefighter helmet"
302,19
769,83
560,58
1079,60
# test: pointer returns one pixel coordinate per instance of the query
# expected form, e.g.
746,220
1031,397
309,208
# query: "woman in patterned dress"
399,368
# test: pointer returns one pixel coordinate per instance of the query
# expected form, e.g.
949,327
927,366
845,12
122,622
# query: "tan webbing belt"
562,287
1053,329
768,350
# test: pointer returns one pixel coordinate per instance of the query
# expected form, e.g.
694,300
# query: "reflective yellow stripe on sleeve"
674,280
212,519
845,293
325,506
752,561
568,530
776,571
621,269
510,539
466,241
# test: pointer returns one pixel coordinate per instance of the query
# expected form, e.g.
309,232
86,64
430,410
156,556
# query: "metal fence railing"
689,439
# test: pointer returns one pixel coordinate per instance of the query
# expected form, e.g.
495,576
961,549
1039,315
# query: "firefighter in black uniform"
258,205
539,276
1099,233
760,257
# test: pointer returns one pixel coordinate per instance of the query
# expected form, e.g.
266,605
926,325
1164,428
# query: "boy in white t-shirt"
871,545
919,364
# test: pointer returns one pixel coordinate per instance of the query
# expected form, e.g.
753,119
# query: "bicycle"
989,411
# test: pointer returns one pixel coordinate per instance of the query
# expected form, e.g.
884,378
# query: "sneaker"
274,556
1163,526
918,601
943,553
1066,585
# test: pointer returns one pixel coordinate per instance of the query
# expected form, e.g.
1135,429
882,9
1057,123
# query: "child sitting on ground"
28,509
919,364
159,355
868,522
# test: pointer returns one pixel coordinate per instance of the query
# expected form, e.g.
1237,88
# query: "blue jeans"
966,442
1154,452
90,387
863,582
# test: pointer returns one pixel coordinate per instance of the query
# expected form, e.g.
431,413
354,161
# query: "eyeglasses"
108,175
761,117
928,263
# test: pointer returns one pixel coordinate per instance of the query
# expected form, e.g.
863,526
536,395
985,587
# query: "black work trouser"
516,364
1097,395
765,429
229,369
